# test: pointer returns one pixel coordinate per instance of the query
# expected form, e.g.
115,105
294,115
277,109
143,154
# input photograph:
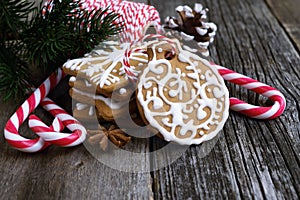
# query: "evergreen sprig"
13,67
46,39
67,31
13,73
13,16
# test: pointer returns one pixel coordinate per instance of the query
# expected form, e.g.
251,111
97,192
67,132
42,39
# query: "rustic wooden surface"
250,159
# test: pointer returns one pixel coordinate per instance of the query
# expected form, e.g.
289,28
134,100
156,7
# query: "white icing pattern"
105,65
122,91
82,106
180,105
108,101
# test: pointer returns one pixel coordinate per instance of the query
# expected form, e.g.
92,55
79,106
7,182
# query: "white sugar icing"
82,106
91,110
173,103
87,83
108,101
104,67
122,91
72,79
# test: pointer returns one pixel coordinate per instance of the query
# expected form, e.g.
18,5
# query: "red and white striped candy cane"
12,126
253,111
48,135
52,134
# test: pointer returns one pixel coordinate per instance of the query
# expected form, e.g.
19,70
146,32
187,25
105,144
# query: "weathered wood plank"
287,13
68,173
252,159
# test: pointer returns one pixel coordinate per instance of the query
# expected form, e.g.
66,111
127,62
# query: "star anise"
102,136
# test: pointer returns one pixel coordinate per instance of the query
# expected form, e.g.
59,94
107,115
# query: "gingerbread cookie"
119,94
182,96
86,113
81,84
107,108
104,67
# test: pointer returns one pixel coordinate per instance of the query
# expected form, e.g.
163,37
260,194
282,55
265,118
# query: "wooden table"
251,159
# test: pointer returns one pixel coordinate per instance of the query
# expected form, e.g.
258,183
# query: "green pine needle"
13,14
13,74
66,32
46,40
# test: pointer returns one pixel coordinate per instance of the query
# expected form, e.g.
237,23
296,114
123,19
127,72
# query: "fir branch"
65,32
13,16
91,28
47,40
13,73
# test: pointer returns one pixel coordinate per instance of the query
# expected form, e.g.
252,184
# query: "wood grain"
250,159
287,13
67,173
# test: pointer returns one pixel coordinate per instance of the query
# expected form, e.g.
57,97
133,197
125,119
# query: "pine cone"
192,26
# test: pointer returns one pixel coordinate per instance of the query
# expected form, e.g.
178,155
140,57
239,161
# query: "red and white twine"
134,16
130,72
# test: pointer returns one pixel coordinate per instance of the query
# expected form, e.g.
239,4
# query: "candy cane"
253,111
62,118
48,135
11,129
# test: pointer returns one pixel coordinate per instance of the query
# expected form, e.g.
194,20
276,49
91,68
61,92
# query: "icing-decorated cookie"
81,84
86,113
107,108
181,95
104,67
120,94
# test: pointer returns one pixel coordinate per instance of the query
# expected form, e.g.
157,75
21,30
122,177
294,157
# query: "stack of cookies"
98,77
177,94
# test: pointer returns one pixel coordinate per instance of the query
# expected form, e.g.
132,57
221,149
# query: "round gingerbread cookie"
181,95
104,67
